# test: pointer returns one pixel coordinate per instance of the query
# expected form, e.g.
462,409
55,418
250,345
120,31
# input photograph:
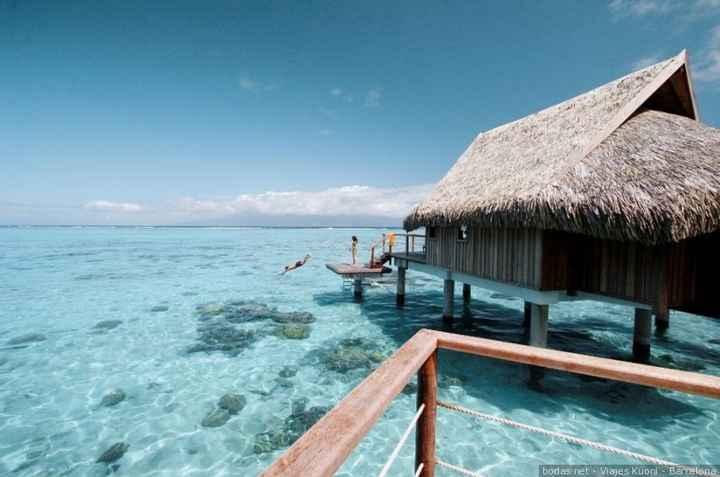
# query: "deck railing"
414,244
326,446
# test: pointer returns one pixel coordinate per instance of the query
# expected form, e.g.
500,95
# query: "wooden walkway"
417,257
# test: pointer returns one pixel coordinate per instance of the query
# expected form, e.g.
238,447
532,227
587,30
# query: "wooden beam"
425,430
634,373
324,448
690,85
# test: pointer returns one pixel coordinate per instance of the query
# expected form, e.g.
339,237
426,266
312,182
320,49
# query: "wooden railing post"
425,431
407,244
412,244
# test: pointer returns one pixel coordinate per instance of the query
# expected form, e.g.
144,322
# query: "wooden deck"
348,270
417,257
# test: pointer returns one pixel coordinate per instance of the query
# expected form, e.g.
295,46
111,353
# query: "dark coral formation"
113,398
27,339
295,425
348,354
231,327
113,453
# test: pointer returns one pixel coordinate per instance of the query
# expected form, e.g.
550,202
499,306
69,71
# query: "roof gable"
515,167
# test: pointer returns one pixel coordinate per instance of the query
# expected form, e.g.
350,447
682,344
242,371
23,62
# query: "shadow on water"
505,385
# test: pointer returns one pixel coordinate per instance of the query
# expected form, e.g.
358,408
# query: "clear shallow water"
61,282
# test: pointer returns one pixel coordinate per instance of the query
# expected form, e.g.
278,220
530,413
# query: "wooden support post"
466,295
641,335
400,298
661,309
526,315
538,336
357,288
449,291
662,323
425,430
662,315
538,325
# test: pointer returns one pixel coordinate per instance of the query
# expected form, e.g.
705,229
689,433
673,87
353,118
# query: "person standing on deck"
353,249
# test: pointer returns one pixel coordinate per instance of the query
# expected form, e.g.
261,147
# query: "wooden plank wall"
626,270
550,260
506,255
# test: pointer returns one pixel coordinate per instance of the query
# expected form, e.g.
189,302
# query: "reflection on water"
183,352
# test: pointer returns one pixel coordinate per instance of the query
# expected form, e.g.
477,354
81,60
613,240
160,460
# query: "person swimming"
296,265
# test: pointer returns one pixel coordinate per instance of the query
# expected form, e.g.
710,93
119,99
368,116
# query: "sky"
234,112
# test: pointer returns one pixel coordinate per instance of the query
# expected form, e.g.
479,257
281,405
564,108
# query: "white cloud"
641,7
685,10
646,61
372,98
708,67
108,206
339,93
247,84
356,200
353,204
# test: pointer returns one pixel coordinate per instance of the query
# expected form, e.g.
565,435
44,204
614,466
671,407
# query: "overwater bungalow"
613,195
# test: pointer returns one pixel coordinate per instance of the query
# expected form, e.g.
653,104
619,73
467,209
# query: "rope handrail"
322,450
568,438
401,442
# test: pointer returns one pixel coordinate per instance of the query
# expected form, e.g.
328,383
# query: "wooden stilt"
662,313
449,290
538,336
641,335
466,295
538,325
662,321
357,288
400,298
425,430
526,315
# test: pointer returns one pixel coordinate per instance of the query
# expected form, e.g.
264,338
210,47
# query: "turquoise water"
187,316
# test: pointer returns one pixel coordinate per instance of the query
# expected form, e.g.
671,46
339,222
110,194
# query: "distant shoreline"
323,227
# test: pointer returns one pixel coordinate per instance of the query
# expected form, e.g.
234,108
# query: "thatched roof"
625,161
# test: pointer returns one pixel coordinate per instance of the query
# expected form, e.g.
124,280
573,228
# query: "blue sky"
200,112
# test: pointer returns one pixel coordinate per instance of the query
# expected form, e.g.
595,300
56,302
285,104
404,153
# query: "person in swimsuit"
296,265
353,249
